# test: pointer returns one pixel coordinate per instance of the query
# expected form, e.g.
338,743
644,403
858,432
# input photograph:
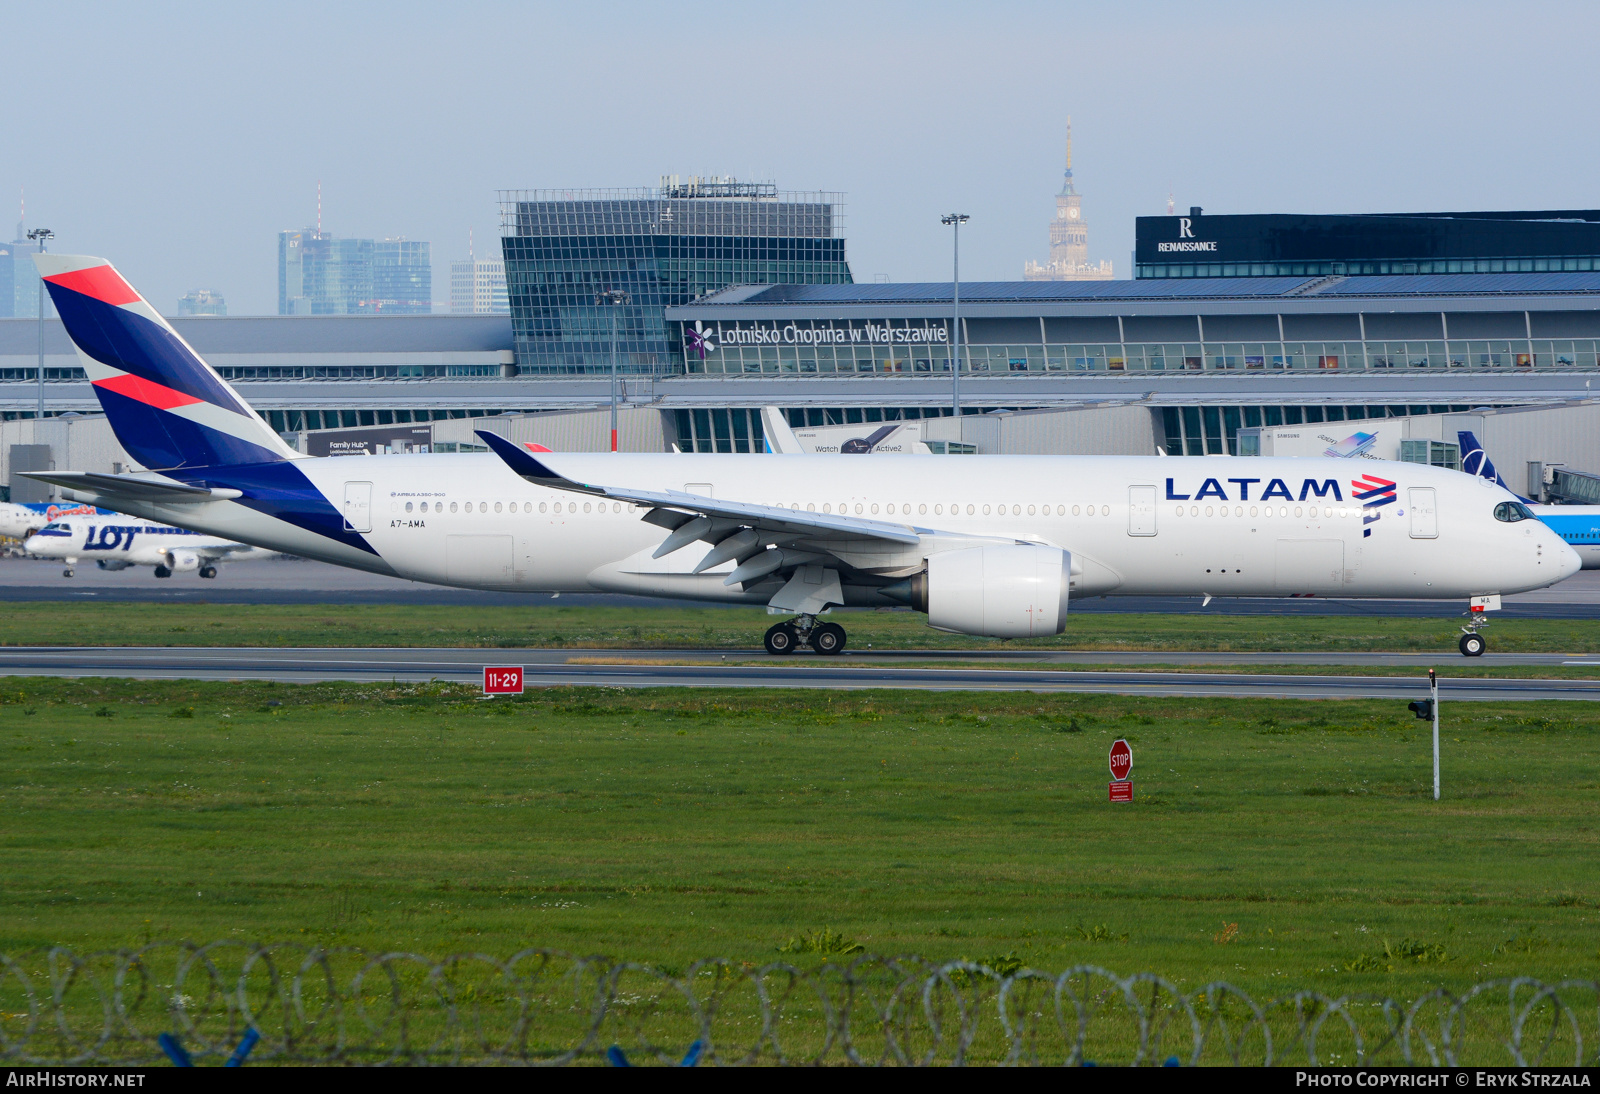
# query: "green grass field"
1276,844
545,624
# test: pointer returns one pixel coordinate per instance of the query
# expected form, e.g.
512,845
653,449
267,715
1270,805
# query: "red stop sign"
1121,759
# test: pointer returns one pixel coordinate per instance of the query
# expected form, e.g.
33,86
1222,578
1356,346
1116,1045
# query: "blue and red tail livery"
167,406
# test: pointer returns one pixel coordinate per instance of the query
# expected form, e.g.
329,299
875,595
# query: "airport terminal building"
1181,362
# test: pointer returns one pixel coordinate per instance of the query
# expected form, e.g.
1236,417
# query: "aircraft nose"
1569,562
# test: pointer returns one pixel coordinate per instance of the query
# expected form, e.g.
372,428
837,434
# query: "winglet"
519,460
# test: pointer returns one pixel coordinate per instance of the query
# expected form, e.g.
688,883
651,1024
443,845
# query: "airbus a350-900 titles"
985,545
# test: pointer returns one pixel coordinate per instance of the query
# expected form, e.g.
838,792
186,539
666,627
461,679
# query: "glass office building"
662,247
1279,245
402,278
320,274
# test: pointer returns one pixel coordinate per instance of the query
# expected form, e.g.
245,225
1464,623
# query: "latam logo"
1276,488
1373,493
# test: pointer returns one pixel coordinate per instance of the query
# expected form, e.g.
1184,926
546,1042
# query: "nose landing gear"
824,638
1472,643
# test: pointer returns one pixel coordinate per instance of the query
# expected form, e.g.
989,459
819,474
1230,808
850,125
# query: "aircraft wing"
768,543
130,487
767,518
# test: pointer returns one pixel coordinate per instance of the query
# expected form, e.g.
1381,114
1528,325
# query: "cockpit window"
58,528
1512,511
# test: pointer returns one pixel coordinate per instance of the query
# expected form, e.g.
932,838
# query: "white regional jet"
19,520
117,542
985,545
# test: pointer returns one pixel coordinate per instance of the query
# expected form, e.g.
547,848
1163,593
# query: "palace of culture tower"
1069,238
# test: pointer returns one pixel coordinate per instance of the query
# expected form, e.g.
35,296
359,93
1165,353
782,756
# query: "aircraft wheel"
828,638
1473,645
208,571
67,572
781,639
162,571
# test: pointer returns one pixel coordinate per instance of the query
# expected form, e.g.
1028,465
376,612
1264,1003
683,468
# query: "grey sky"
177,140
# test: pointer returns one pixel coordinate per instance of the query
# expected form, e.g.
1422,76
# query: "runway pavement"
295,581
642,669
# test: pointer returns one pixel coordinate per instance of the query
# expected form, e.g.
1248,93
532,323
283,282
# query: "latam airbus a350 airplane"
985,545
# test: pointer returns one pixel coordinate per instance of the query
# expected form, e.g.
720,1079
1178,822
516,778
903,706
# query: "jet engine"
182,562
1002,591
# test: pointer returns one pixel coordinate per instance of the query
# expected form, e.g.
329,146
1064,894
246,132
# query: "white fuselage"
1135,526
117,542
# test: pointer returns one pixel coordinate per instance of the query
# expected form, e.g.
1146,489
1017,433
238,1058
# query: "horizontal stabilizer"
133,487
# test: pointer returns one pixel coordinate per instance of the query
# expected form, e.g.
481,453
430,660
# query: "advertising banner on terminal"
371,441
1368,440
702,339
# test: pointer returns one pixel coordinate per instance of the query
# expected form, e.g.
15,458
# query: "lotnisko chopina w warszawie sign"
822,333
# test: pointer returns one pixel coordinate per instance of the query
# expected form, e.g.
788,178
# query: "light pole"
41,234
956,220
615,298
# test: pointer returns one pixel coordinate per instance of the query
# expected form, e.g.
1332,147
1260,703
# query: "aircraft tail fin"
775,429
168,408
1474,460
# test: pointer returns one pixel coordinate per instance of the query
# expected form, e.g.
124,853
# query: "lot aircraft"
1579,525
117,542
985,545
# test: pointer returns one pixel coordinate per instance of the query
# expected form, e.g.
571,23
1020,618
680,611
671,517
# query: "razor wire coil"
543,1007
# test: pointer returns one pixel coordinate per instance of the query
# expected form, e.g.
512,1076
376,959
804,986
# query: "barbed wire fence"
312,1005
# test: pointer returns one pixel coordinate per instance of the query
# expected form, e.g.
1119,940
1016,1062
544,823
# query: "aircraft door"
1141,510
1424,512
358,507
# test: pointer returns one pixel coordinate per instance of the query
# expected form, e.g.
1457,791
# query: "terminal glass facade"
899,346
661,247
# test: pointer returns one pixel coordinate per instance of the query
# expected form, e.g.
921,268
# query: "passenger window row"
1265,511
972,509
526,507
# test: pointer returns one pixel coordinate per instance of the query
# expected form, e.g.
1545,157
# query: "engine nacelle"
182,562
1010,591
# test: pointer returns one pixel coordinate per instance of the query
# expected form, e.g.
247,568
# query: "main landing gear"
163,571
827,638
208,571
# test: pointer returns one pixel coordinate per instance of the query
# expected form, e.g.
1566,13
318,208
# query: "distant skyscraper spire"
1169,203
22,214
471,256
319,207
1069,238
1066,179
